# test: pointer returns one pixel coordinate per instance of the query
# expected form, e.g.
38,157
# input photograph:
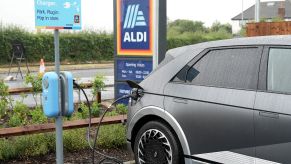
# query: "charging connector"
136,93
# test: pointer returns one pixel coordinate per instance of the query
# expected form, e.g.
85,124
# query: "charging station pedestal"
50,94
51,85
68,18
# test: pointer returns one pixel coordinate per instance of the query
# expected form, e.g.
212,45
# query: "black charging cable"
93,147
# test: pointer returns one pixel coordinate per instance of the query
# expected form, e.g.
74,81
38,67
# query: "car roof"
247,41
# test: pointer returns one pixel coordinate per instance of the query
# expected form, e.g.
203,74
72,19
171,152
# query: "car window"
279,70
230,68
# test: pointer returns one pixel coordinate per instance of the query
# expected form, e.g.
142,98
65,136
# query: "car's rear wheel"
155,143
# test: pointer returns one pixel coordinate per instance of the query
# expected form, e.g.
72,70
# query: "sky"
98,14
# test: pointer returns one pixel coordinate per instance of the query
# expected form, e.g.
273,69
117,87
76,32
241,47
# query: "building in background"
269,11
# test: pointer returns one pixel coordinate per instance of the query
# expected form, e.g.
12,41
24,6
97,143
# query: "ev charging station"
140,41
58,86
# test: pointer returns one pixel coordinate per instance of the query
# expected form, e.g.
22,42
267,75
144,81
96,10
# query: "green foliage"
5,99
112,113
75,140
94,45
243,31
15,120
83,113
26,146
277,19
121,109
36,82
95,109
182,26
98,84
112,136
19,115
74,47
37,116
186,32
263,20
217,26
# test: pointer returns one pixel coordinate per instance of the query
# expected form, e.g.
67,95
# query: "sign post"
59,119
58,14
140,40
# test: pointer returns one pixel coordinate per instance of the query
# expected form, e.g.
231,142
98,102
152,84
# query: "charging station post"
59,118
58,87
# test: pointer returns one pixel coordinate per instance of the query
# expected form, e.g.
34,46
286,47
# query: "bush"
74,47
96,46
98,84
36,82
37,116
19,115
5,99
121,109
111,136
95,109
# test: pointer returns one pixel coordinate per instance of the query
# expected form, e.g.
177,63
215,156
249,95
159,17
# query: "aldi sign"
135,27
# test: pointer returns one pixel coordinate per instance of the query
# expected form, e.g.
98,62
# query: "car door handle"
180,100
269,115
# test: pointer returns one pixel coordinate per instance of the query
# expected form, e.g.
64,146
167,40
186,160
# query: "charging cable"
134,96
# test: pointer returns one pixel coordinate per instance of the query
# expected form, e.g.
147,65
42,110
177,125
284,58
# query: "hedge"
74,47
79,47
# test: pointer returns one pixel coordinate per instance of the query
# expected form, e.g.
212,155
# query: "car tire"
155,143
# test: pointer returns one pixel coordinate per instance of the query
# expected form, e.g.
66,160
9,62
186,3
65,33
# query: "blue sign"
134,31
58,14
121,90
134,70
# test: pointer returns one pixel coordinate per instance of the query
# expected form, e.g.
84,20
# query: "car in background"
225,101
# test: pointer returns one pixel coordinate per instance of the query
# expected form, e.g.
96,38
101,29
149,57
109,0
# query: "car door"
212,99
273,106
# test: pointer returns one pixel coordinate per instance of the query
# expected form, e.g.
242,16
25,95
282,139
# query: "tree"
217,26
183,26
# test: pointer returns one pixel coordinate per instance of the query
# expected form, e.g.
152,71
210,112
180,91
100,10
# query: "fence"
43,128
268,28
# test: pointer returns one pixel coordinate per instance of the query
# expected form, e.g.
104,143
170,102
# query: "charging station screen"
134,27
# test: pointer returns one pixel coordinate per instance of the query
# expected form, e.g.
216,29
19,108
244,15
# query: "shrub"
36,82
83,112
98,84
95,46
121,109
95,109
19,115
74,47
112,136
5,99
37,116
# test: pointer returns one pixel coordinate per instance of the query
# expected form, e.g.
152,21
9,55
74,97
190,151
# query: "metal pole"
156,34
257,11
242,11
59,119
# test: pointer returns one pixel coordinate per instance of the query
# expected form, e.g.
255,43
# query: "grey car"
225,101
